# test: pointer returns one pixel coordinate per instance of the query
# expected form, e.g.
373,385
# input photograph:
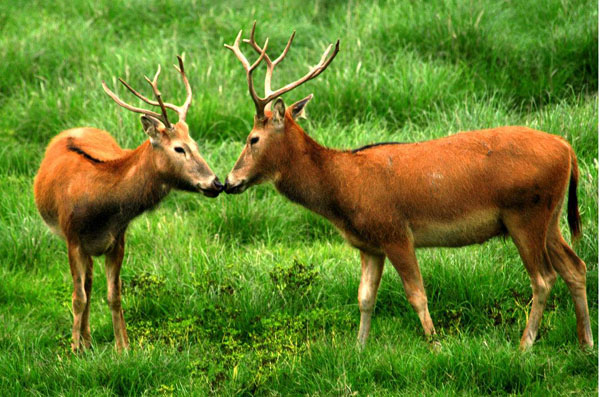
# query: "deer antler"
249,69
181,110
270,64
262,103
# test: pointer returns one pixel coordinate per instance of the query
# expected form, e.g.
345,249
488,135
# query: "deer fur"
88,189
387,200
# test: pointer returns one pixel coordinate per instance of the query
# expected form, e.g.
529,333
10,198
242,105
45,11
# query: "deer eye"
253,140
179,149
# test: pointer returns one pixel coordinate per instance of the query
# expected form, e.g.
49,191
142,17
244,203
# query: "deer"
387,199
88,189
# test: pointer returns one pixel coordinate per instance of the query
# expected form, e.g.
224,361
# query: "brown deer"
388,199
88,189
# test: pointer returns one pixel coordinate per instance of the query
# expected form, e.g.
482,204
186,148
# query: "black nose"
218,185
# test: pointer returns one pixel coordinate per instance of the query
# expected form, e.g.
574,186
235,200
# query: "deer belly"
472,228
360,243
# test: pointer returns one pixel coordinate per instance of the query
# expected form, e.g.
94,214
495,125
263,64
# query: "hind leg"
529,237
85,317
114,260
573,270
79,262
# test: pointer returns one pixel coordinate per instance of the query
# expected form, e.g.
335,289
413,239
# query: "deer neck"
140,186
305,177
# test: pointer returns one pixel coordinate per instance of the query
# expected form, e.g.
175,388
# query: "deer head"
175,153
268,143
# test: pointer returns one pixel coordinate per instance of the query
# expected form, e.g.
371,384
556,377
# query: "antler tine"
314,72
269,73
236,50
263,103
259,103
336,50
137,94
181,110
263,54
188,100
286,49
254,45
154,84
270,64
120,102
258,49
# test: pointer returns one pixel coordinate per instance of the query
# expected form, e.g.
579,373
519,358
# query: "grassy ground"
251,294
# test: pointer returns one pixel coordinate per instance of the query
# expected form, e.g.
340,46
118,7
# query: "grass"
251,294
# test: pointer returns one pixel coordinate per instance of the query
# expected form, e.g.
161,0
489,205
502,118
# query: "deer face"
177,158
256,162
267,147
175,153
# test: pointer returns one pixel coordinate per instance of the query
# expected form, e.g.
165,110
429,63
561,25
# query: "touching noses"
216,183
205,179
232,186
213,189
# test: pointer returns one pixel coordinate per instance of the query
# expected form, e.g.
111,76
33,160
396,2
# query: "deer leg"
114,260
402,256
372,268
85,317
573,270
541,284
78,262
530,238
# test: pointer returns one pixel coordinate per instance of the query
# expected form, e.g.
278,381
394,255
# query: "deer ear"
297,109
278,112
151,126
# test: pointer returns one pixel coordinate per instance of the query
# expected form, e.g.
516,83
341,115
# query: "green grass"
251,294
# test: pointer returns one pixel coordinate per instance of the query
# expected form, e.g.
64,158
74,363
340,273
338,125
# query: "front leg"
114,260
372,268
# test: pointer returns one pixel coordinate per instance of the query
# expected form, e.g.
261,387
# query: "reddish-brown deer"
388,199
88,189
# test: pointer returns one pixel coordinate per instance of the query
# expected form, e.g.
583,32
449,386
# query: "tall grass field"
251,294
